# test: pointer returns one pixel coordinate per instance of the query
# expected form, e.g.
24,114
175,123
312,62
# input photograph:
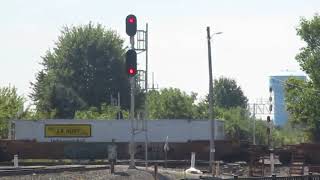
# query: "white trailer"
119,130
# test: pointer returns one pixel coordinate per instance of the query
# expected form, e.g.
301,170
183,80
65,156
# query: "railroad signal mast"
134,75
269,131
131,70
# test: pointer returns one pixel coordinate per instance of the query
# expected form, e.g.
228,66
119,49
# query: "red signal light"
131,20
132,71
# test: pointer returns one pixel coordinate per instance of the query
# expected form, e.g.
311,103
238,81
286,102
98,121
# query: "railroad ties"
297,162
257,154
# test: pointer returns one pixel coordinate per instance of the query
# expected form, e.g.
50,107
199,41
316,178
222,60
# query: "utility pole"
211,115
254,124
119,107
152,80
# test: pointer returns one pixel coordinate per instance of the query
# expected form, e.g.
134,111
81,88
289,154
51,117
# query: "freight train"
89,139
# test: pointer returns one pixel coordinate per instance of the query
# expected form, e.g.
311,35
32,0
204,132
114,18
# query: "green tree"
11,107
260,131
288,134
237,122
84,69
238,125
302,98
227,94
104,113
230,105
171,103
202,110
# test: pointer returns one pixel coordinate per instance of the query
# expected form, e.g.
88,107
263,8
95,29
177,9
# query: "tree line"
302,97
86,67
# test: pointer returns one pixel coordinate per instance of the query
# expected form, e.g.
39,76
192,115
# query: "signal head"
131,62
268,119
131,25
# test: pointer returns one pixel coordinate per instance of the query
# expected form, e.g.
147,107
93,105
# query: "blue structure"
277,83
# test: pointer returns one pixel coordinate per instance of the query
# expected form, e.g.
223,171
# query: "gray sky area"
259,37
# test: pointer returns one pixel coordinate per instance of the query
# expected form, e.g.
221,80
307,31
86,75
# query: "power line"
284,82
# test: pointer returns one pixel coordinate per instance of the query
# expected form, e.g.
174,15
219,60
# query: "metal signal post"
131,61
137,75
146,115
270,126
132,85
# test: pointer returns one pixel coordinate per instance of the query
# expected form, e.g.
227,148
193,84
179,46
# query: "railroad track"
27,170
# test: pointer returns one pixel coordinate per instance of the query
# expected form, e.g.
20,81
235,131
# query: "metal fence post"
15,161
274,177
112,167
310,176
155,171
262,165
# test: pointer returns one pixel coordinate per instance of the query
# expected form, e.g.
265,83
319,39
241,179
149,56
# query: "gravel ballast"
122,173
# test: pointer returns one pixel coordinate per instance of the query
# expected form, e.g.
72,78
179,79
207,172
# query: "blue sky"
259,37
